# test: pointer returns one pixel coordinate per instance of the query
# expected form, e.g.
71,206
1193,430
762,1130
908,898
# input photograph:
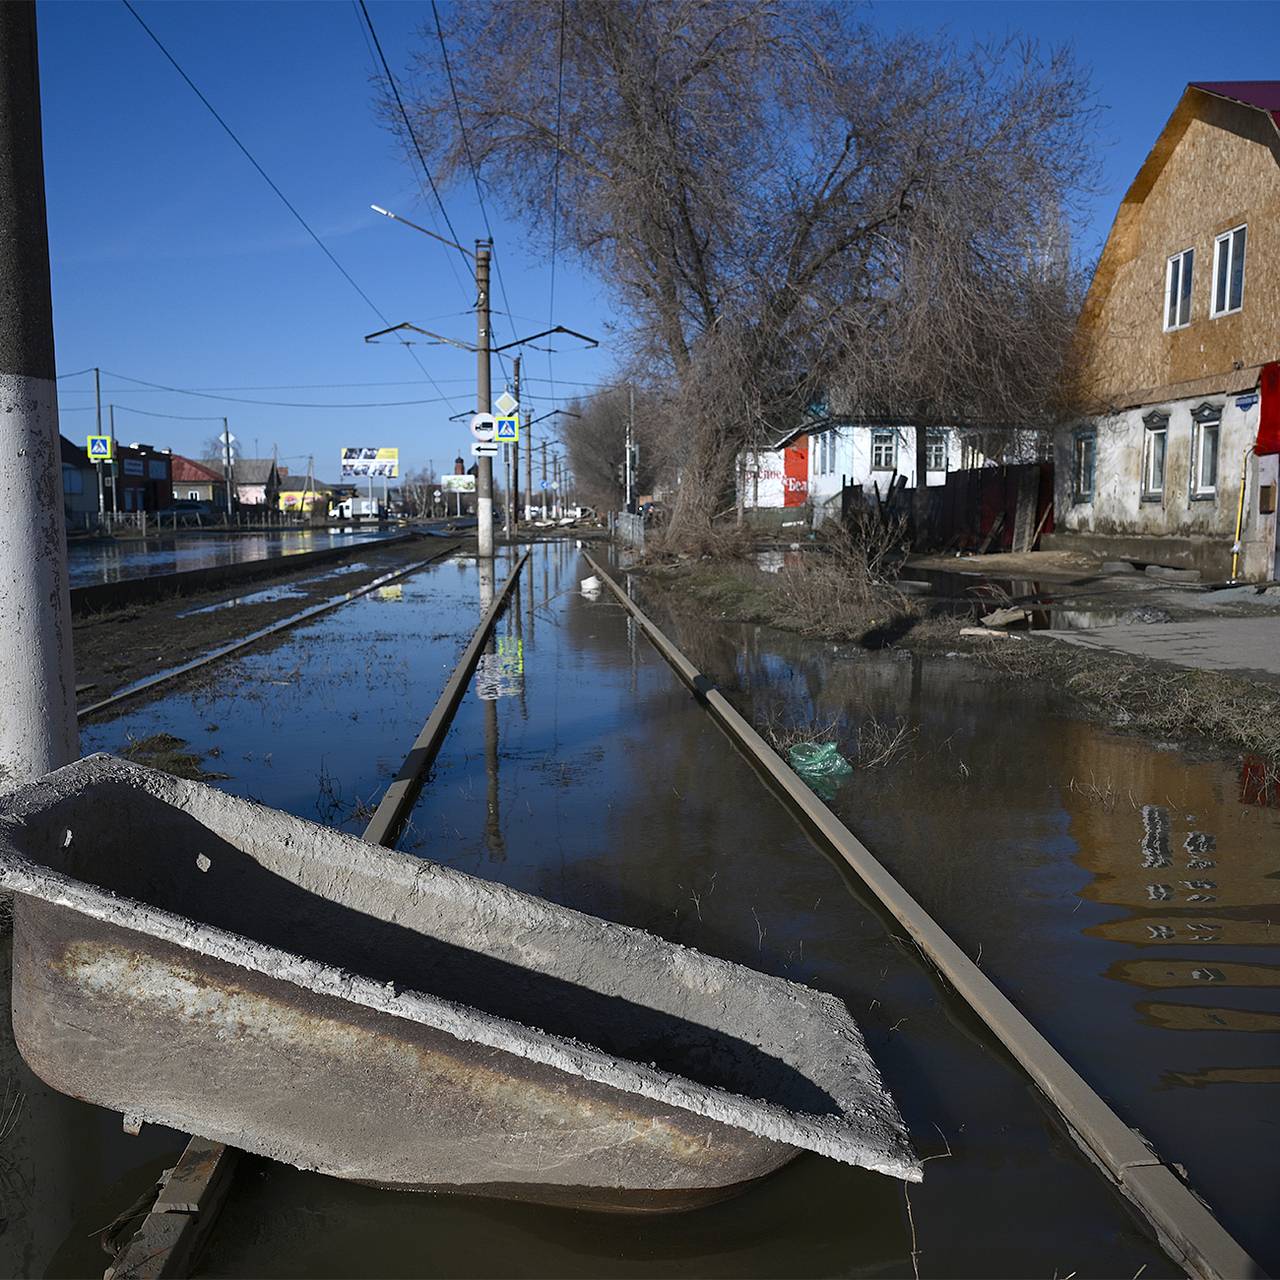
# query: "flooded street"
113,560
1121,895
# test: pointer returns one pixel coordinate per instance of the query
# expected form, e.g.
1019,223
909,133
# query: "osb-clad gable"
1216,165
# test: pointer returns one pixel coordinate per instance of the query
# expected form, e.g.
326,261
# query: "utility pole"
527,432
513,520
543,447
115,499
484,399
629,494
226,463
38,728
102,493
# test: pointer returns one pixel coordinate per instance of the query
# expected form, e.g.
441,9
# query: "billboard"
370,462
458,484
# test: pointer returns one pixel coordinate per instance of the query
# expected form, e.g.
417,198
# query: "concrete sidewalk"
1243,646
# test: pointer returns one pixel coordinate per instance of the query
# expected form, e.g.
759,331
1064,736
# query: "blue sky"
174,262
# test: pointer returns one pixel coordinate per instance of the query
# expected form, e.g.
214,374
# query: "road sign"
99,448
506,404
484,449
507,430
482,426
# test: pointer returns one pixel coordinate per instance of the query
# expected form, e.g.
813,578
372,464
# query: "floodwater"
106,560
579,769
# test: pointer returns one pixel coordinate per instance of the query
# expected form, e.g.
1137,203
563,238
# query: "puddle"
269,595
579,769
115,560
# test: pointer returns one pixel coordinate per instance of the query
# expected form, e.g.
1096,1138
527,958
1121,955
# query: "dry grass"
881,744
169,754
1152,698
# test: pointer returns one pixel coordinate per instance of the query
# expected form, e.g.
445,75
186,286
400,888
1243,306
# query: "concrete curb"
1185,1227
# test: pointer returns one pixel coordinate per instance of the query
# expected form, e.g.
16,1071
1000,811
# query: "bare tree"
595,438
792,208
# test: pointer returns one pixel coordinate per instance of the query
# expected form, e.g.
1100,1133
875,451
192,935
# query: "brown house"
1181,318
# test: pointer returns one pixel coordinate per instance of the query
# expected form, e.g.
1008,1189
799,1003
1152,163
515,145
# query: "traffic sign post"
99,449
506,430
484,449
506,404
483,426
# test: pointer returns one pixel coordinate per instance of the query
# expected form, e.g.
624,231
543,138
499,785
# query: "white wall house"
873,458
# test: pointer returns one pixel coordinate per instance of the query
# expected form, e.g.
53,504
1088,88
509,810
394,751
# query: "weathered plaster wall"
1179,529
1221,168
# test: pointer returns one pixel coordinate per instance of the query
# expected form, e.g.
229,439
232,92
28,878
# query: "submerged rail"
1184,1225
384,827
178,1225
303,615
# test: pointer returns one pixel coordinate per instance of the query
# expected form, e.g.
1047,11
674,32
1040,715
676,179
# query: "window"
1204,451
935,451
1086,457
72,480
1177,290
884,450
1154,448
1228,272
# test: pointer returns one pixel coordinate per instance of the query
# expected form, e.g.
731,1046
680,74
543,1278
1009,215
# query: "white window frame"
935,446
1177,291
876,444
1221,242
1078,492
1205,416
1155,424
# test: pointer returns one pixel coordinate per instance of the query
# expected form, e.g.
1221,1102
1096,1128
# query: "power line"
408,127
306,226
475,173
177,417
555,195
238,400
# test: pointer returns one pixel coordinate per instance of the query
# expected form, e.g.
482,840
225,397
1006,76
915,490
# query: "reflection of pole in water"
493,822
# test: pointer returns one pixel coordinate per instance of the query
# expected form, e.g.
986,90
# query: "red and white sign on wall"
795,473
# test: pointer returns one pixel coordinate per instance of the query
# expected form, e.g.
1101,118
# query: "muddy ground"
113,649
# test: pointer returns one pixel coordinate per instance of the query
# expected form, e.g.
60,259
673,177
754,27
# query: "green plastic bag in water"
820,765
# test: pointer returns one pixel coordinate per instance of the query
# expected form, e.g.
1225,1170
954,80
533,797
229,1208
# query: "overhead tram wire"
475,178
376,47
555,198
306,226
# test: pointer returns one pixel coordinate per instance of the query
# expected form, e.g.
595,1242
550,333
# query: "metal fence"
629,528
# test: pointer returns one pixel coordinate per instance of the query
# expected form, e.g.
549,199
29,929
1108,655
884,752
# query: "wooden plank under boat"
196,960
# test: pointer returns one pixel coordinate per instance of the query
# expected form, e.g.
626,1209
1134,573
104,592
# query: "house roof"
72,454
1264,95
300,484
255,470
187,471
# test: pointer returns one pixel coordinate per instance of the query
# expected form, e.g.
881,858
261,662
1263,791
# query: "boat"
196,960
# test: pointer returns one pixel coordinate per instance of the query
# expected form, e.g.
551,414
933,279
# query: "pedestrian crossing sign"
99,448
507,430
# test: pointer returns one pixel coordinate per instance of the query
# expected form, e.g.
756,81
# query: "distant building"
143,478
1178,331
198,482
303,495
257,482
79,486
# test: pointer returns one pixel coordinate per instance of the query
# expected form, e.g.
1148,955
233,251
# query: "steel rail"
169,1241
304,615
388,819
1184,1225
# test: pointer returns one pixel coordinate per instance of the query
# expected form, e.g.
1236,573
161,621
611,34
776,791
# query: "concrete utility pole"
513,521
38,727
484,402
631,436
226,463
543,447
527,431
115,501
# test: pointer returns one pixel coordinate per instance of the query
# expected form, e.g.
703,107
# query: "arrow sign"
484,449
507,430
99,448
